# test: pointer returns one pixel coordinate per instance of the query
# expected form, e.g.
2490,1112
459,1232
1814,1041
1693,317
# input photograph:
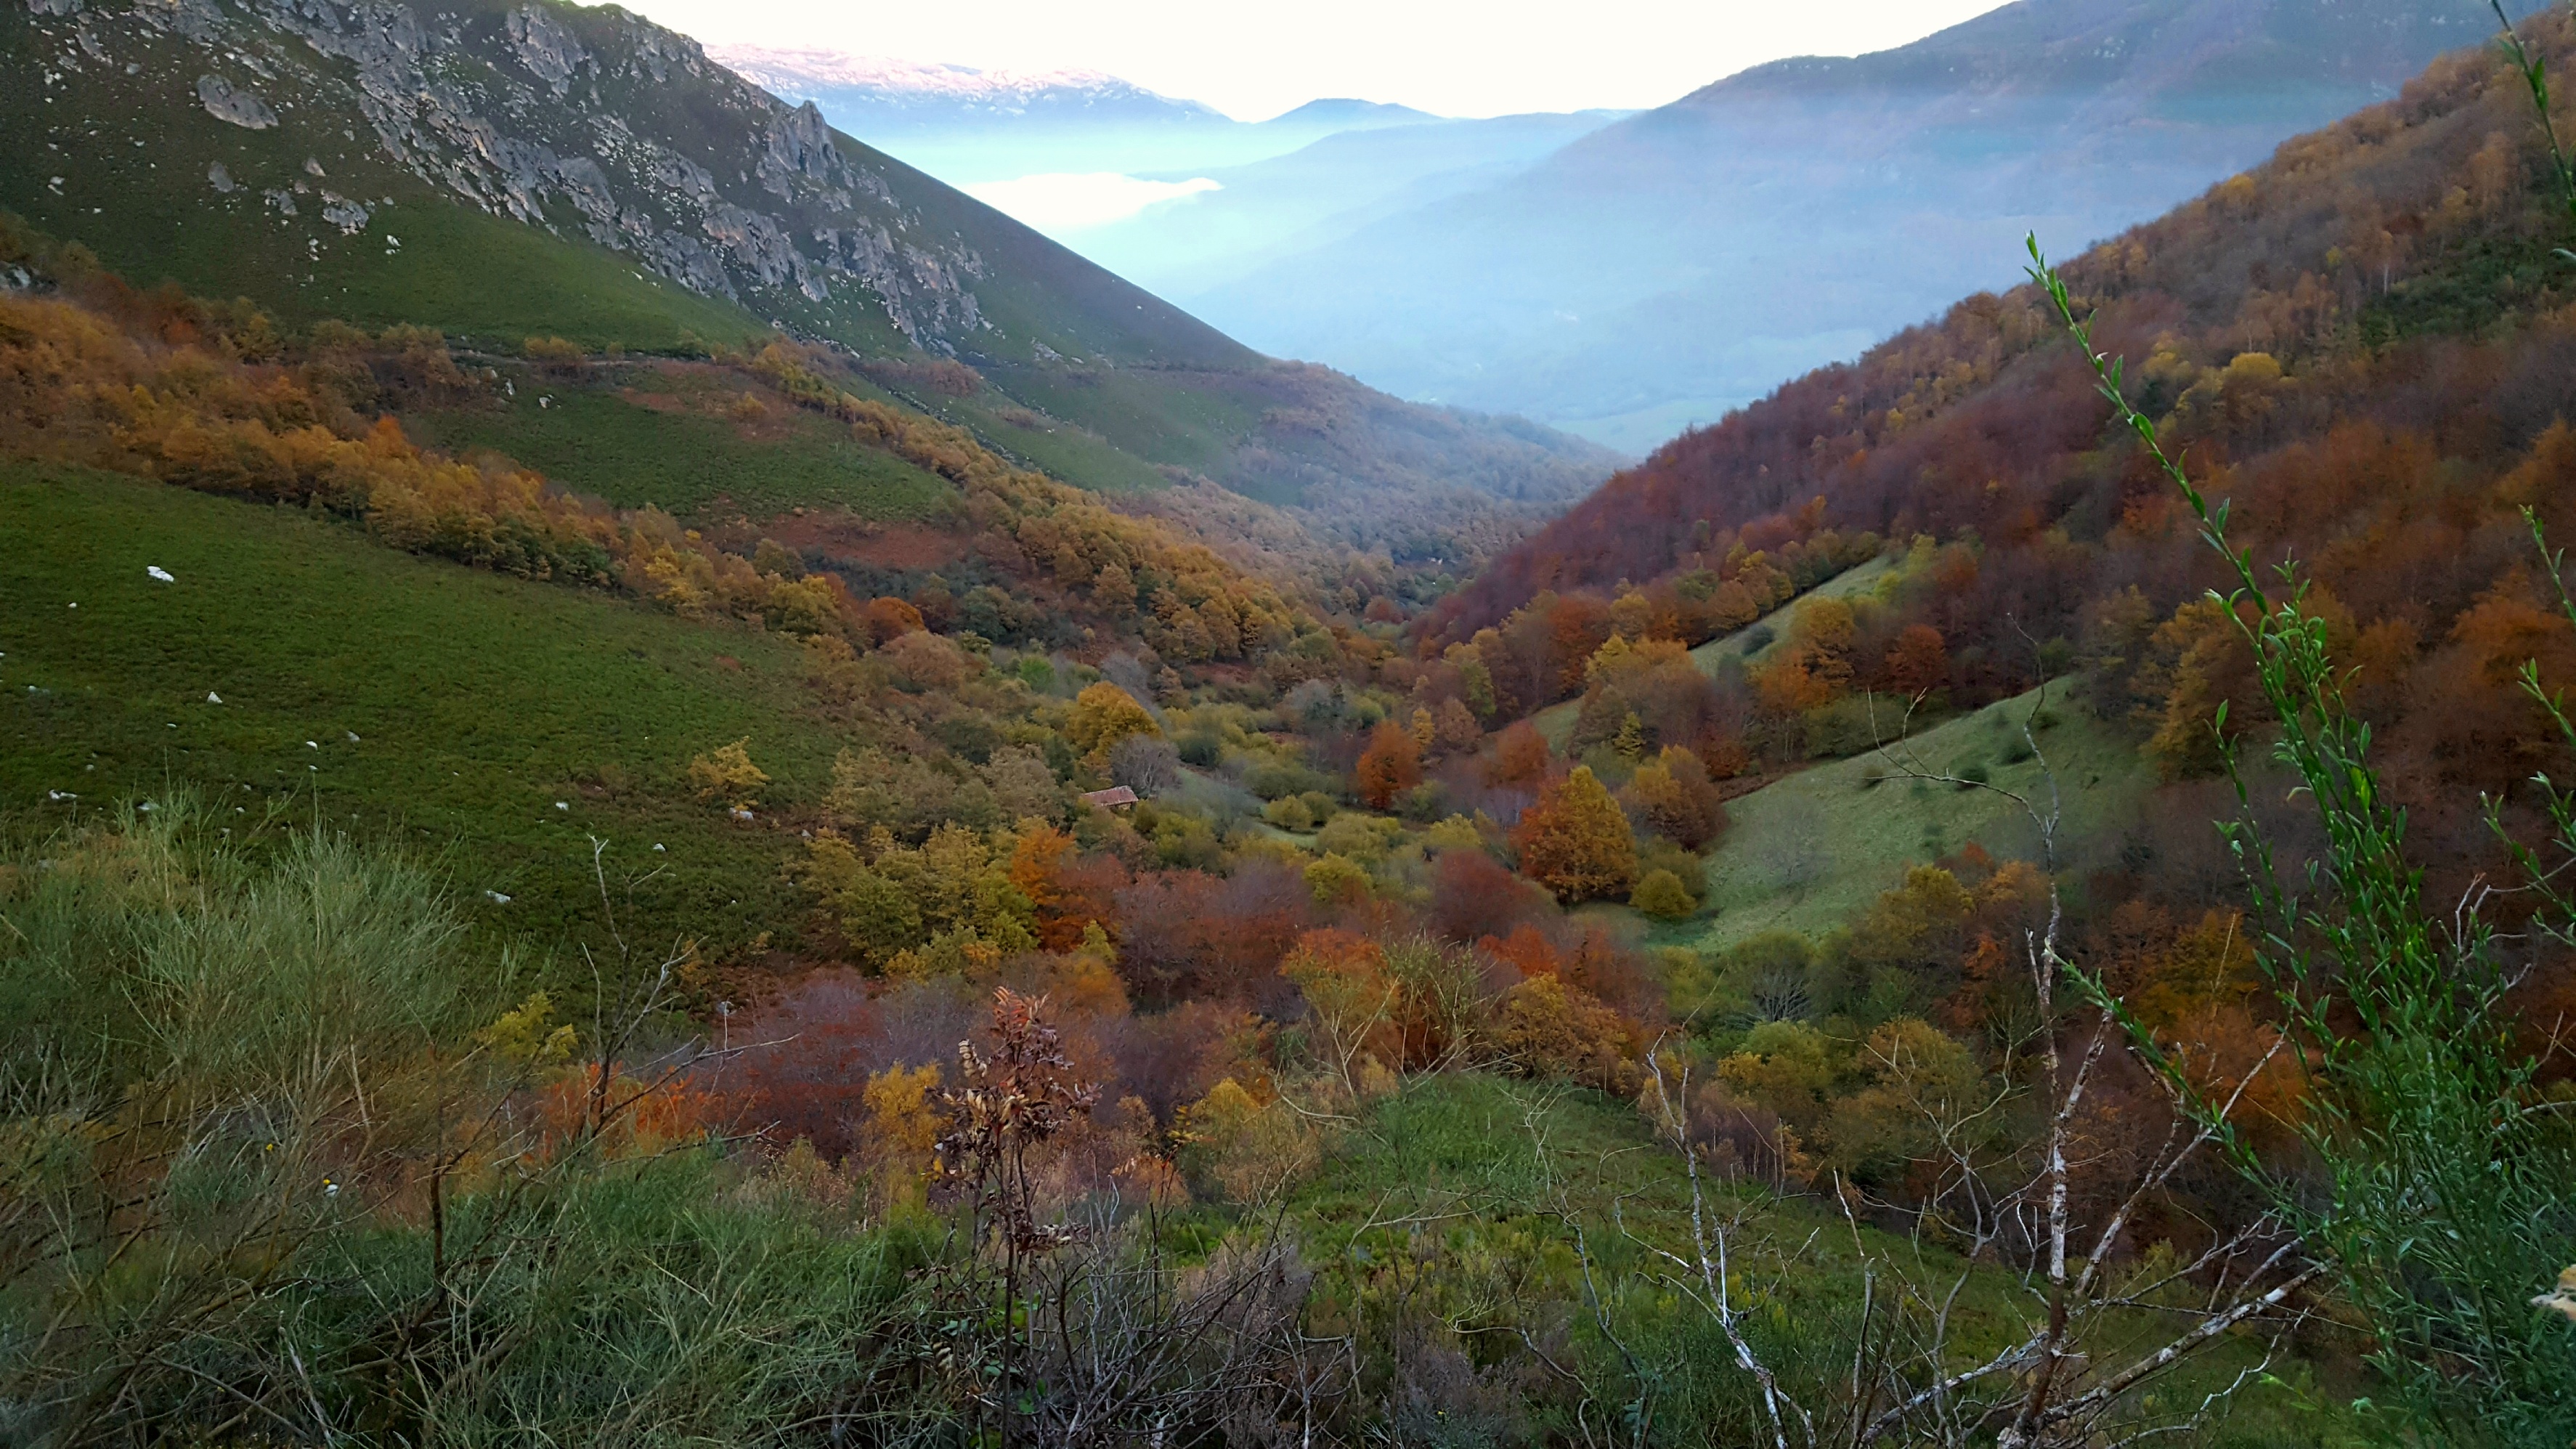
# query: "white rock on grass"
159,574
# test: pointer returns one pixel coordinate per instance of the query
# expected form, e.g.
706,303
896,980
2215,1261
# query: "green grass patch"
478,702
594,439
1064,450
1464,1190
1190,419
1811,851
2476,284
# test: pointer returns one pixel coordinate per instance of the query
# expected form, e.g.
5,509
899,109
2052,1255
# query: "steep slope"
586,124
498,170
1683,262
281,628
2365,345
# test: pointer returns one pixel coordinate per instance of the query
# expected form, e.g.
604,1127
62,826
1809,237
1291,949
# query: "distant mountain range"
1287,205
1050,147
865,92
965,125
1657,272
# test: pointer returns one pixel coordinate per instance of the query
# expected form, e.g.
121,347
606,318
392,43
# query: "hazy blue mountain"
1664,269
1317,195
1344,114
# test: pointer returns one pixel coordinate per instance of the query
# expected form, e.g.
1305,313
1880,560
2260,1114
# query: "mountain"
966,126
1344,114
2364,347
1680,263
1269,210
881,98
500,171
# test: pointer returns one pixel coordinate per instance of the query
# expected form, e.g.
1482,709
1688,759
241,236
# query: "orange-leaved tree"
1391,765
1520,756
1918,661
1575,841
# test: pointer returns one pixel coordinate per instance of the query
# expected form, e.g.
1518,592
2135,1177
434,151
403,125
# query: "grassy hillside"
124,166
1510,1170
476,702
1809,852
669,434
506,172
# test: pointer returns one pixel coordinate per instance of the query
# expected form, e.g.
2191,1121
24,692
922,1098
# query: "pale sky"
1255,58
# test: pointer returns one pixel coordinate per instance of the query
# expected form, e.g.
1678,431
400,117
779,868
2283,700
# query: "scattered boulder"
230,103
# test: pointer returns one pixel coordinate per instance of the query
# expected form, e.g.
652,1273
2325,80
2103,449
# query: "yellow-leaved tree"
903,1127
1101,716
1575,840
726,773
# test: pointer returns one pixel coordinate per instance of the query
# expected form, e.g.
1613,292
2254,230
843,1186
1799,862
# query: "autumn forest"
665,868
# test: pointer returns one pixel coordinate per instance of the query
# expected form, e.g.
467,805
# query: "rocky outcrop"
590,122
551,53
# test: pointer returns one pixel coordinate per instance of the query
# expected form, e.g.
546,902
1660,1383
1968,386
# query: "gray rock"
551,53
343,213
227,102
221,179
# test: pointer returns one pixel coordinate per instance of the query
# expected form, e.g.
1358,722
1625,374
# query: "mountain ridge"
503,170
1680,263
924,93
2377,302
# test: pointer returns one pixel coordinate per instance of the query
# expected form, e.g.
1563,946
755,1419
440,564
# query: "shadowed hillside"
1687,260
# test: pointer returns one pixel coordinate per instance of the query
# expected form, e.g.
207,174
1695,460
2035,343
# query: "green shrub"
1424,803
1659,893
1688,870
1274,778
1289,813
1203,748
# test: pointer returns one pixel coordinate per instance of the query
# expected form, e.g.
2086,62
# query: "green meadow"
502,724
